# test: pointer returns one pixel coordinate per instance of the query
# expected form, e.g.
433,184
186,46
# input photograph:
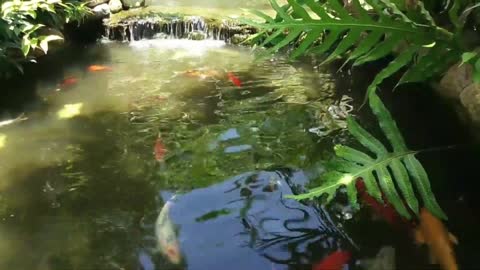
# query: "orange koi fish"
234,79
96,68
435,235
68,82
334,261
159,150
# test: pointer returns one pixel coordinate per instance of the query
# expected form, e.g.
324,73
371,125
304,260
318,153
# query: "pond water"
193,141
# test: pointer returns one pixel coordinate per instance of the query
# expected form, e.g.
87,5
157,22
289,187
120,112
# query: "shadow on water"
427,122
232,153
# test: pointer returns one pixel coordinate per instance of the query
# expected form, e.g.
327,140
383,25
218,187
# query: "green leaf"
453,13
426,14
387,124
466,57
327,43
280,11
381,50
396,173
45,40
289,38
347,42
299,10
306,43
261,15
401,61
476,71
25,46
422,184
366,45
433,63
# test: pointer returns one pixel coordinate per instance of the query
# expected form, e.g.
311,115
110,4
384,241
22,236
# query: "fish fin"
453,238
419,238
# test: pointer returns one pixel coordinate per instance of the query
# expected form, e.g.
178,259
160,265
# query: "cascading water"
192,27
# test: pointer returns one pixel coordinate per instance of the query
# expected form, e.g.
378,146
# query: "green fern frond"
394,172
373,31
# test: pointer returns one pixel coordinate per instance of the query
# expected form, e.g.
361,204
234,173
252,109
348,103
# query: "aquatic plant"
29,26
390,172
368,30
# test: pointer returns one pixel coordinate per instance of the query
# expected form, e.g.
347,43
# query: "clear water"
81,189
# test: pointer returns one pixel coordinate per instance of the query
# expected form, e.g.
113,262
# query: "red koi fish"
97,68
234,79
68,82
159,150
334,261
386,211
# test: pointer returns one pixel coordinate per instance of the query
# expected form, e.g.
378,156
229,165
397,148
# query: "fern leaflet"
396,173
363,35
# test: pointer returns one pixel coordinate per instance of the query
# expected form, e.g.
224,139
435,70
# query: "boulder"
128,4
115,6
94,3
457,78
457,84
470,99
101,11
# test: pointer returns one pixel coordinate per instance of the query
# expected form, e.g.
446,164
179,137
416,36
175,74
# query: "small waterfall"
193,27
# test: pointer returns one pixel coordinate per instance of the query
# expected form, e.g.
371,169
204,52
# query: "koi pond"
178,154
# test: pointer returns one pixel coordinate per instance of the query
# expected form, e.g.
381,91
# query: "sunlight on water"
84,164
3,140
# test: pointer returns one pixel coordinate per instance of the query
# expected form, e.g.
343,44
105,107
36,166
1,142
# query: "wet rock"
197,35
457,85
470,99
239,38
128,4
94,3
191,27
115,6
101,11
455,80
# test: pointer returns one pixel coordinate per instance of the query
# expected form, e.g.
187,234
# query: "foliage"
364,31
27,26
368,30
387,171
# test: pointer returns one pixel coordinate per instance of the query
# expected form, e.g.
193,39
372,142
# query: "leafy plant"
24,24
391,172
365,31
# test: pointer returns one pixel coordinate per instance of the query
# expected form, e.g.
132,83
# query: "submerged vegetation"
363,31
27,27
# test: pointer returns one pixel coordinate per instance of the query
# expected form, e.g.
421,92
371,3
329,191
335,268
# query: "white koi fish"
166,236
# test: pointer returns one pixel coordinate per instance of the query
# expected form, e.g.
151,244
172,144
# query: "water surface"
81,186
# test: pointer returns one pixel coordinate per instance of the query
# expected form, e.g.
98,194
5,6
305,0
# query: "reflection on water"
79,178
